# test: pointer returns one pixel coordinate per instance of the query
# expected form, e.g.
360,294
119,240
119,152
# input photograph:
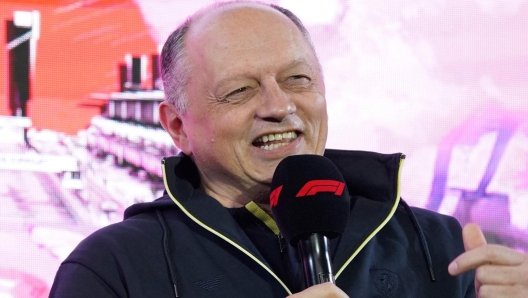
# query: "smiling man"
244,90
254,97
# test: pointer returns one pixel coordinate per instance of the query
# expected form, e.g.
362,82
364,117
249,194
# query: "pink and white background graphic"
443,81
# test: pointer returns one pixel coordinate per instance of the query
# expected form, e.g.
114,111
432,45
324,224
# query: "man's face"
254,79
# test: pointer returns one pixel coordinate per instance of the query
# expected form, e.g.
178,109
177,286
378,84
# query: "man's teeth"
277,137
287,136
273,146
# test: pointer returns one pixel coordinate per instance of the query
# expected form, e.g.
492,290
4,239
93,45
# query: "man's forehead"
222,40
242,30
229,13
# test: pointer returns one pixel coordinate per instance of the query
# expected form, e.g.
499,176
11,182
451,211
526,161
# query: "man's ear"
171,120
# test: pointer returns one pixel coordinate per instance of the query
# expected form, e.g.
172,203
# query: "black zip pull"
282,242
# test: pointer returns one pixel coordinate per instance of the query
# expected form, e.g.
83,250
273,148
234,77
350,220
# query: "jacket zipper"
363,244
383,223
208,228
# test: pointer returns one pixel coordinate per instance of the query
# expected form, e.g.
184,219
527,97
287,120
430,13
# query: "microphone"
310,203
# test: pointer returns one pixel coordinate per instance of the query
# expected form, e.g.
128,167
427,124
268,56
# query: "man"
244,90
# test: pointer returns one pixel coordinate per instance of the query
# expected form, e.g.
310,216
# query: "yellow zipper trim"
263,216
219,234
391,213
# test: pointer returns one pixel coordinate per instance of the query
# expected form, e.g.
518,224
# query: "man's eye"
299,77
238,95
237,91
297,81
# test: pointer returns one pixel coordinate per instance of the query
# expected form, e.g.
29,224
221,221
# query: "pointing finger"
473,237
488,254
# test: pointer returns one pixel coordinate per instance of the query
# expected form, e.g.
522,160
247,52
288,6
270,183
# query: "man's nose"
276,103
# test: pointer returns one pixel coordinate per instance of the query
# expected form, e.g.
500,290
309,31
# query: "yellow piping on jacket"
389,216
391,213
218,233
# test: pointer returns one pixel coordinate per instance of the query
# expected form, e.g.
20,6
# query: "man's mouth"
275,140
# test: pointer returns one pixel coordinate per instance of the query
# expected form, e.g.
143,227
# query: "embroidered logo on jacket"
209,284
386,282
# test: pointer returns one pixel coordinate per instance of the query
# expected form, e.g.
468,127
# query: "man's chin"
266,170
266,181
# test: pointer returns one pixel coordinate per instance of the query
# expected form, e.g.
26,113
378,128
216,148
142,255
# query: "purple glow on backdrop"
413,76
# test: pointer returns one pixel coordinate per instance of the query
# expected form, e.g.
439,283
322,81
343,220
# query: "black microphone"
310,203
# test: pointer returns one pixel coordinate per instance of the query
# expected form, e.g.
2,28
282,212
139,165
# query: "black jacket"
189,244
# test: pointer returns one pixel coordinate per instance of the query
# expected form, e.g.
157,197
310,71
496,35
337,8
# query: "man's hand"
500,271
326,290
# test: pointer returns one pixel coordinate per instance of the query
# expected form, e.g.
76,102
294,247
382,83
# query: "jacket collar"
372,180
373,183
368,174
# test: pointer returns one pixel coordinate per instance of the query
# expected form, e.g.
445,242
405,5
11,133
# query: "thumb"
473,237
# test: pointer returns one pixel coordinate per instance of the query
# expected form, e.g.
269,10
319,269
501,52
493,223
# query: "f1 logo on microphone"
274,196
315,186
311,188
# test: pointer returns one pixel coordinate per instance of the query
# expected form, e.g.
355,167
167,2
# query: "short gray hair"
175,67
